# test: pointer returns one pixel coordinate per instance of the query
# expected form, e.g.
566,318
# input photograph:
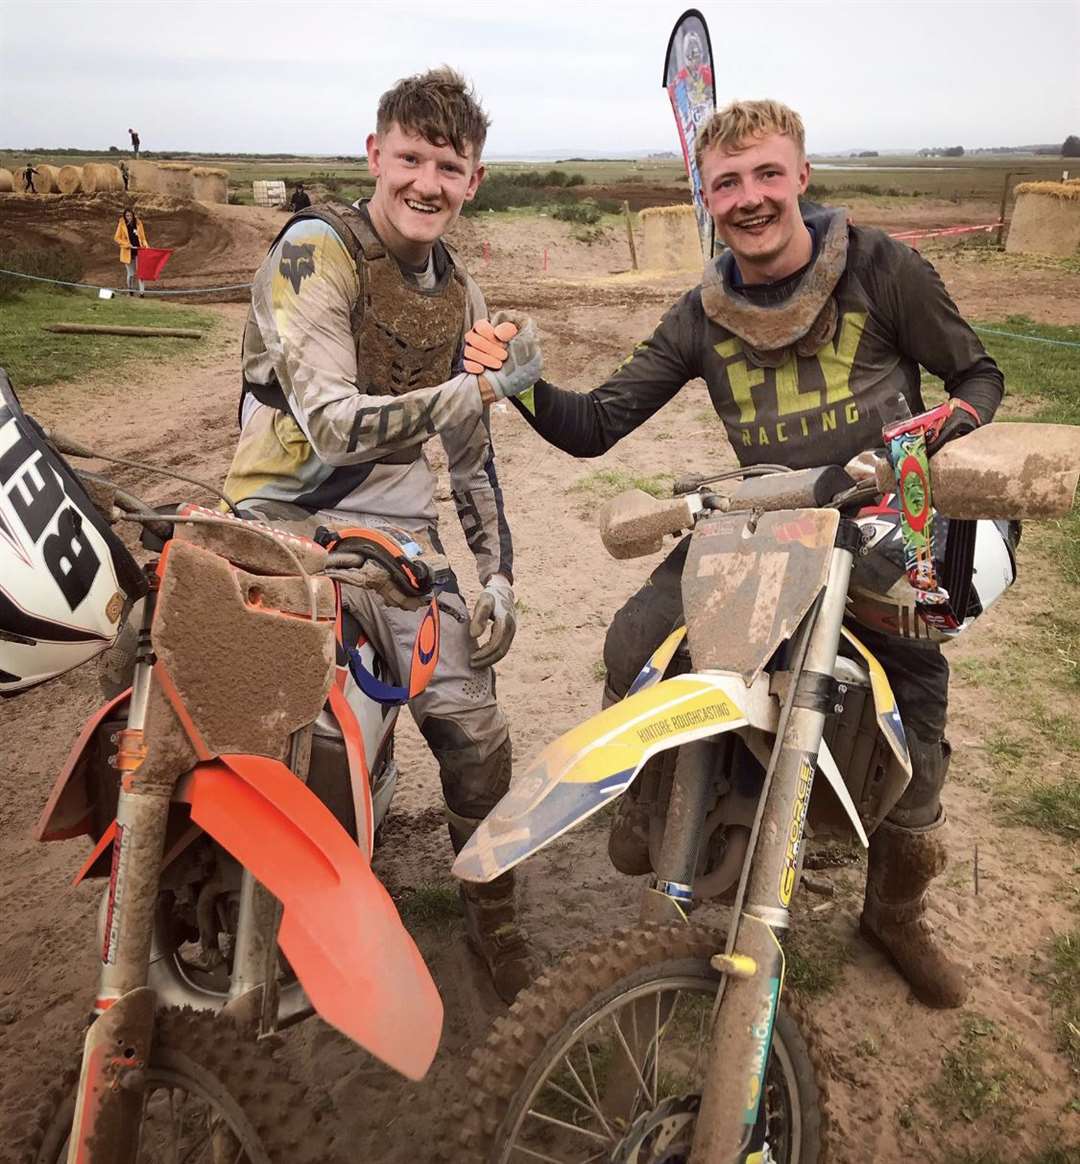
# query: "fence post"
630,234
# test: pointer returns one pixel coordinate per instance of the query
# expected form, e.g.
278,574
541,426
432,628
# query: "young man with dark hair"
352,360
806,331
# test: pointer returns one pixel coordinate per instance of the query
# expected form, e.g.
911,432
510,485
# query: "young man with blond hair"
806,331
352,359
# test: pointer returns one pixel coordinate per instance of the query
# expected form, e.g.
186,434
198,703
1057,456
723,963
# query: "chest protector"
406,336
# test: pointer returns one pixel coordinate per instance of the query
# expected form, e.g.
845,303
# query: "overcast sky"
573,77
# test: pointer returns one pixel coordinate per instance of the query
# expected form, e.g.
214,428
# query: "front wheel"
603,1058
210,1095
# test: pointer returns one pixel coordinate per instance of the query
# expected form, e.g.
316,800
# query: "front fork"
108,1106
754,962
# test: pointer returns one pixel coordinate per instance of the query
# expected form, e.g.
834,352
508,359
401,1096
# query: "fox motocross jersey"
894,315
335,449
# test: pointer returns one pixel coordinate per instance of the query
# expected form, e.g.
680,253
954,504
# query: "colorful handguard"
906,443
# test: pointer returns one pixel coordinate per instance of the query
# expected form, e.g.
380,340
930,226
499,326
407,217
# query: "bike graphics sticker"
688,79
793,840
888,716
587,767
654,669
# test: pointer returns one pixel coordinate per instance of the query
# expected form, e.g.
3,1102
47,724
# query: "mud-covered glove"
962,419
495,606
523,364
485,345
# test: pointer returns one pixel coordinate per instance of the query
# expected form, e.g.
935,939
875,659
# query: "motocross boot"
903,862
491,926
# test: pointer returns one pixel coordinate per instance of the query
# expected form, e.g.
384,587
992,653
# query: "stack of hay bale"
210,185
7,181
45,180
670,239
1046,219
174,179
144,177
98,179
69,179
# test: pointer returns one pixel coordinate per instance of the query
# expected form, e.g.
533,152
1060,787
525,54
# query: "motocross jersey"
331,421
892,314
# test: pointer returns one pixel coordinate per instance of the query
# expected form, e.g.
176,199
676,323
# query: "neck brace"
804,322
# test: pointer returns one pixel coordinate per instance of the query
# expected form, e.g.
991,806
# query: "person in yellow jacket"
130,235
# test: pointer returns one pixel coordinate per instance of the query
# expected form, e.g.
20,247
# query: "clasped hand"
504,353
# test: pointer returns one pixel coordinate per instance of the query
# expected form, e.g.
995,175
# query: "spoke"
591,1102
633,1062
539,1115
592,1074
656,1052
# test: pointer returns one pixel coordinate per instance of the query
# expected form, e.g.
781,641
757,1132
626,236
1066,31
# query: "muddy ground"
885,1053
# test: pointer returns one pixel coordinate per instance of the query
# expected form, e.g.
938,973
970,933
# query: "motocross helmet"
881,597
66,580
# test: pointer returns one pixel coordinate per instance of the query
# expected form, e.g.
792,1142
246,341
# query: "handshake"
504,355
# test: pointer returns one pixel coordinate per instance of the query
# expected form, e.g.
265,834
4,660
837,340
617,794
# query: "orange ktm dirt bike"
231,795
769,719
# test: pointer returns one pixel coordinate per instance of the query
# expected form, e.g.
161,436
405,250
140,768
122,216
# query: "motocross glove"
523,365
485,345
962,420
495,606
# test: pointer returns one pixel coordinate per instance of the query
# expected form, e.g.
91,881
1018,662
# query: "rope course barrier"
126,290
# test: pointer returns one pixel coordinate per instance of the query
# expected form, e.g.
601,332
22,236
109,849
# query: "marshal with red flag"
688,79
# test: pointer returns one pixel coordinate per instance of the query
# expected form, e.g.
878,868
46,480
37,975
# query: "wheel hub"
661,1136
665,1134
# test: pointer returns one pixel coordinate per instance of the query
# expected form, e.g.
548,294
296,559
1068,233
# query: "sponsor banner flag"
688,79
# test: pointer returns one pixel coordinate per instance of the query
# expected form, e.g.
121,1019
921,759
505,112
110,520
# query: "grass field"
33,357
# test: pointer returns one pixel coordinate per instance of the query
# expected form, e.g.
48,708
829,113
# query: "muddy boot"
628,841
491,926
903,862
493,933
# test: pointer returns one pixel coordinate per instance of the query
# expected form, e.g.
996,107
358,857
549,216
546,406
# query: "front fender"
590,765
339,929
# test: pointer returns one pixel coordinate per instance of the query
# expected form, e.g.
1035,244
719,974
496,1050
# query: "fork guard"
339,929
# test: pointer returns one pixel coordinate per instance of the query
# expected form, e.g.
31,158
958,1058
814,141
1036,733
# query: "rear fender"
68,811
339,929
590,765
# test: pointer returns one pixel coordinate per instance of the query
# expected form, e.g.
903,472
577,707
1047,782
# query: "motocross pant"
457,713
918,673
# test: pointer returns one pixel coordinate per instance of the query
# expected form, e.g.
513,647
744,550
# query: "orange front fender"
339,929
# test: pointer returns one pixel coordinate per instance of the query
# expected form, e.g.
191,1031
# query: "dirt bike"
669,1043
231,793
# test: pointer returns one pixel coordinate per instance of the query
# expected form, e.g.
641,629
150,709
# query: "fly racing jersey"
894,315
330,446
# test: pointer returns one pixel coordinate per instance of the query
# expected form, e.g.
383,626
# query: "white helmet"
881,597
66,580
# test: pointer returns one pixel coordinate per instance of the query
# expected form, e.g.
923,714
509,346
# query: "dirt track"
883,1049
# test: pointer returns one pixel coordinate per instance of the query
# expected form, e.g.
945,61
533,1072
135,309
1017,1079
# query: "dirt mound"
213,245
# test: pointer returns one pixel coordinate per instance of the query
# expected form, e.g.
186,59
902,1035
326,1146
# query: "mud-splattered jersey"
342,453
894,315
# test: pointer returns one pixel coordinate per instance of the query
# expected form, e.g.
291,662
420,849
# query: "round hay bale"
45,179
99,179
1045,220
210,185
69,179
7,181
670,239
174,179
144,177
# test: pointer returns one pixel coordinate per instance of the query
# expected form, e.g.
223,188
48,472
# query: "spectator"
130,236
125,173
300,200
28,178
134,142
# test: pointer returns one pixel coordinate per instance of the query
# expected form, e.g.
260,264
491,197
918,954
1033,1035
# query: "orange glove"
485,345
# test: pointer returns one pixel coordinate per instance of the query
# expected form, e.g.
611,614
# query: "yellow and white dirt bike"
669,1043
